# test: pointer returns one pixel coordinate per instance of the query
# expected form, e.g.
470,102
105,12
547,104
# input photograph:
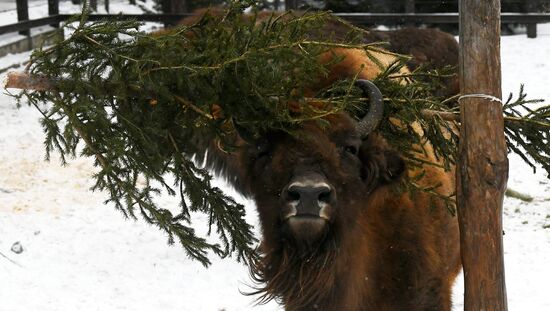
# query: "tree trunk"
482,172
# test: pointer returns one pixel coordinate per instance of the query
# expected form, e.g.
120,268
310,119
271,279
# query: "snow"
79,254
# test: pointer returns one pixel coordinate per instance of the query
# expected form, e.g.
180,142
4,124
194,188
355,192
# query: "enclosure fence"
410,17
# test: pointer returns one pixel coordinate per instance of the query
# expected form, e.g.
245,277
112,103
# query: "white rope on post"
483,96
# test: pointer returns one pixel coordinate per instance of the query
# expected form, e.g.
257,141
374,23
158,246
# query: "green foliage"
142,106
528,130
406,105
142,103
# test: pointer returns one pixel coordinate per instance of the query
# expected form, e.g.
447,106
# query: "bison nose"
309,199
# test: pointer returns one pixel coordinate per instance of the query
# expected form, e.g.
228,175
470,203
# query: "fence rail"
356,18
24,25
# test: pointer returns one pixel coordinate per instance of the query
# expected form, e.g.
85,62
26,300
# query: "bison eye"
351,149
260,150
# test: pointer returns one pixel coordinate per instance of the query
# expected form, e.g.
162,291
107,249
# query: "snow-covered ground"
79,254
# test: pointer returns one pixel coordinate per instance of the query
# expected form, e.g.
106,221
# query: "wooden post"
291,4
53,9
410,9
93,5
167,9
174,7
409,6
107,6
23,14
531,6
482,172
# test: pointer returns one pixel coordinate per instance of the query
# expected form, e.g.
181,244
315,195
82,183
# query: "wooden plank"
291,4
173,7
482,172
23,14
531,6
28,43
53,9
410,8
359,18
436,18
31,23
93,5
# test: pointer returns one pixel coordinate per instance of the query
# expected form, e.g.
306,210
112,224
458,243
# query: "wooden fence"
24,24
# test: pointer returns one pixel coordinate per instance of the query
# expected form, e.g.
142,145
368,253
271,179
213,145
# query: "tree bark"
482,172
25,81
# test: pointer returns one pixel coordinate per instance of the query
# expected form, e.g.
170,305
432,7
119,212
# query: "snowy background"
79,254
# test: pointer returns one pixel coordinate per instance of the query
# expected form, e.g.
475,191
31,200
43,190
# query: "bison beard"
295,277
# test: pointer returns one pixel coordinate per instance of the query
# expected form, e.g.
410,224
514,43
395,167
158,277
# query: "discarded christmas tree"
145,104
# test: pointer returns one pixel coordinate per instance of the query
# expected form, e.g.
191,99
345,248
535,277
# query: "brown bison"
338,234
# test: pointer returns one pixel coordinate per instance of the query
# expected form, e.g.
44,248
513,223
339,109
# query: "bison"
337,231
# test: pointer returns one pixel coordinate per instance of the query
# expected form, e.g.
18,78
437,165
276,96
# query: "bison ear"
392,168
380,164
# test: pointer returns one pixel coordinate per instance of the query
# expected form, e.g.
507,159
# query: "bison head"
310,185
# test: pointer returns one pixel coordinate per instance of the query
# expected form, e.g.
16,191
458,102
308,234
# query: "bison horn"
244,133
376,108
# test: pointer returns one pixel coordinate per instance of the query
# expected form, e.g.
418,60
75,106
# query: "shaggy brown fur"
382,250
429,47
